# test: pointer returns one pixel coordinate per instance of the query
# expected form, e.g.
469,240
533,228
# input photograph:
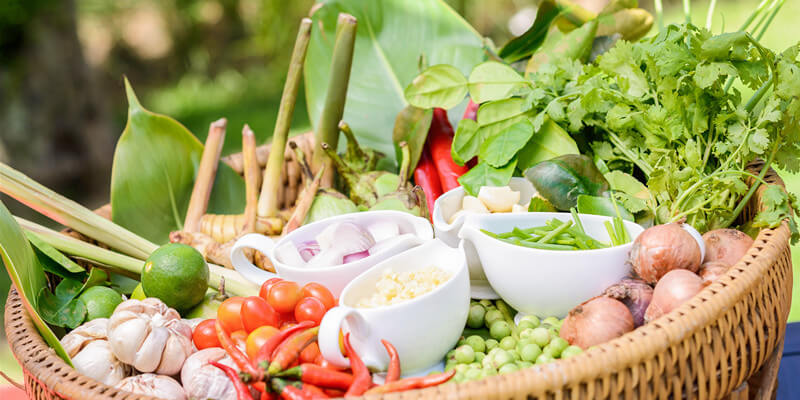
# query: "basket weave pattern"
704,349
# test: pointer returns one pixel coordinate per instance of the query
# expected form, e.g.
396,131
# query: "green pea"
502,358
476,342
571,351
526,334
492,316
486,303
479,356
552,321
473,374
465,354
553,331
524,364
489,371
508,368
461,367
494,351
491,343
544,359
508,343
559,344
458,377
540,336
514,354
530,352
551,351
529,322
499,330
476,315
450,365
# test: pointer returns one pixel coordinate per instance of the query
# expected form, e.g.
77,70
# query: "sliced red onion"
383,230
355,256
287,253
308,250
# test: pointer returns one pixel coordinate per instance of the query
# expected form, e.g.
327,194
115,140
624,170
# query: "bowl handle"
244,266
360,337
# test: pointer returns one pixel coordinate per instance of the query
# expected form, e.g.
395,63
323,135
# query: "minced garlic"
395,287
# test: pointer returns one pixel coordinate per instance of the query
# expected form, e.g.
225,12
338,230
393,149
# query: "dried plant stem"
268,200
206,172
252,179
327,129
306,197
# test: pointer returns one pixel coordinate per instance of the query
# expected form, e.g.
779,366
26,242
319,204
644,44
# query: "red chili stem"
393,373
440,140
264,354
361,376
289,350
319,376
471,112
242,391
237,355
427,176
413,383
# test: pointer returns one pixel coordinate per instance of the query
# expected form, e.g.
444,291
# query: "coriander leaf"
788,80
707,74
438,86
484,174
492,80
498,149
721,46
776,207
466,141
620,62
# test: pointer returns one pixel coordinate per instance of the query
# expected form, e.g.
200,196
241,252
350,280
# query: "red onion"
712,270
355,256
663,248
674,289
635,294
308,249
596,321
726,245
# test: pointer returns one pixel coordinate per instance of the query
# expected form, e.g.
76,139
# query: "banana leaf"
27,274
155,165
392,35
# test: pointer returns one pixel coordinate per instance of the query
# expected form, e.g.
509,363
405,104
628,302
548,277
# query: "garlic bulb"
160,386
91,353
498,198
202,380
150,336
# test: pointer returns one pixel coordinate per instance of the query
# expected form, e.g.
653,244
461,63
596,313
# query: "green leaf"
526,44
27,274
539,204
53,254
466,141
123,284
411,126
575,45
500,110
497,150
96,277
493,81
391,37
62,312
155,165
68,289
484,174
597,205
561,180
442,86
707,74
549,142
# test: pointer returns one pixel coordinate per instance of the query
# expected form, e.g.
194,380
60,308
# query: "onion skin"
674,289
636,294
596,321
712,270
726,245
661,249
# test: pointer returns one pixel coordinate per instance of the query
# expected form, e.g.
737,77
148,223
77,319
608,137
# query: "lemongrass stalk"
252,178
72,214
206,172
327,129
268,200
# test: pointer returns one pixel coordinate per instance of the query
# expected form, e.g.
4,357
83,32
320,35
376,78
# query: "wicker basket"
725,342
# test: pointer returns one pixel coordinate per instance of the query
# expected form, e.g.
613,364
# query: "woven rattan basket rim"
41,363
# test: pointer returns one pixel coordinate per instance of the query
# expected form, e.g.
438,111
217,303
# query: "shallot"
635,294
674,289
596,321
726,245
712,270
663,248
202,380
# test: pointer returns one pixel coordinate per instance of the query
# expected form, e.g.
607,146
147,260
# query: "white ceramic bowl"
422,329
413,232
447,205
546,282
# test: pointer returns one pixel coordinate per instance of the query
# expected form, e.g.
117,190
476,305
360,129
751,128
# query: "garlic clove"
148,356
518,208
498,198
176,351
160,386
81,336
97,361
133,333
288,254
472,203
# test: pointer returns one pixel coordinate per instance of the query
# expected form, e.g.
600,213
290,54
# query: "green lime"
138,293
177,274
100,301
207,309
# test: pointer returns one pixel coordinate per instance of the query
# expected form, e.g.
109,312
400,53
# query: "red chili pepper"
314,391
242,391
393,372
264,354
362,379
290,349
427,176
296,391
413,383
471,112
237,355
322,362
440,140
316,375
334,392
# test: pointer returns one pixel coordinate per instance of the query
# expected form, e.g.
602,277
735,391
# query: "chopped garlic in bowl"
393,287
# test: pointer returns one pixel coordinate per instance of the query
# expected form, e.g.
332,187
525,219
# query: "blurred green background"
62,104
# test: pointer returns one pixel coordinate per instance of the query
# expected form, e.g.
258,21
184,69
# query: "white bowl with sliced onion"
335,250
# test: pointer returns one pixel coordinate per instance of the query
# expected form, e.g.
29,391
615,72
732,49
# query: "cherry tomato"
240,338
266,285
320,292
283,296
205,335
256,312
230,314
257,338
309,309
310,353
